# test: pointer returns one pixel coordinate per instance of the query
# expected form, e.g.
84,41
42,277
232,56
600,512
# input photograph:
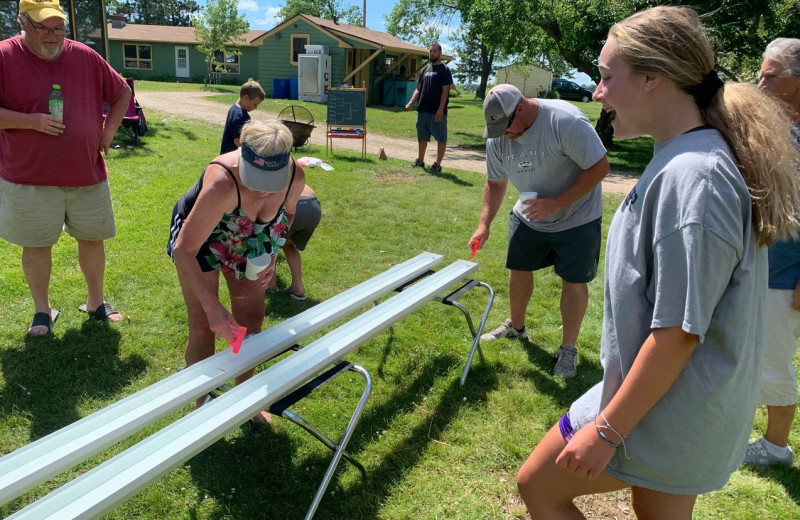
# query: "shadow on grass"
270,483
48,378
368,495
450,177
562,391
280,306
471,141
788,477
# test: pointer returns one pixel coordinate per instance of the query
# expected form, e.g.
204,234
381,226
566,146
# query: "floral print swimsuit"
236,238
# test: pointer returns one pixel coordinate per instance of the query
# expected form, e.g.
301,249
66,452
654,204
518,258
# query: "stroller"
134,123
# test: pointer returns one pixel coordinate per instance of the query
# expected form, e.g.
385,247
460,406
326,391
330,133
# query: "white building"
531,80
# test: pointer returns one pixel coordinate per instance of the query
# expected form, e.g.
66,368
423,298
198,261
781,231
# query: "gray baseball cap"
498,106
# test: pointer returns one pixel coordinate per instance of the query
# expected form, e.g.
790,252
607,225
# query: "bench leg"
476,334
338,449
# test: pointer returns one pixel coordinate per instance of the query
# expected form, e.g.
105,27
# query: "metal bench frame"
113,481
31,465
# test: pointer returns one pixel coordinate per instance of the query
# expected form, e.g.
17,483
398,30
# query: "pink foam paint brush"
238,336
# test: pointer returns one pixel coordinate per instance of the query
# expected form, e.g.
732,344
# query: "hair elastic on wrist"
608,426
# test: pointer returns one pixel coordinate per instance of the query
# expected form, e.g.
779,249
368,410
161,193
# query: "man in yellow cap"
52,172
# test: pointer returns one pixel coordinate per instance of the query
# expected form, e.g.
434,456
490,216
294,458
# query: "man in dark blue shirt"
433,90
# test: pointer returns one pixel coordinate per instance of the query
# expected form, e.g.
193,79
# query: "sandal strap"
104,311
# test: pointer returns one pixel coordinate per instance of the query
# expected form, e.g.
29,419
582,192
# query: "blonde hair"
671,42
267,137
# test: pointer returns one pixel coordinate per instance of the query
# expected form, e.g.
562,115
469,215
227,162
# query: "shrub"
552,94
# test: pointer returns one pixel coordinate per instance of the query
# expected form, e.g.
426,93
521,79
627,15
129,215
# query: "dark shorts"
427,127
306,219
176,222
574,253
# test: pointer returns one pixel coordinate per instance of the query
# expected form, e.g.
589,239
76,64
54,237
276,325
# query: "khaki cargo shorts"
34,216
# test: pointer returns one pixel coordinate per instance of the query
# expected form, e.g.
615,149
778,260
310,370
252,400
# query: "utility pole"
365,15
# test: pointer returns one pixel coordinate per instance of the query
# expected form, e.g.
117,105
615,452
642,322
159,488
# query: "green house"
360,57
170,53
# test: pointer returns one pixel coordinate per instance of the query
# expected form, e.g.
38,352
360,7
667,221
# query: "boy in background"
250,96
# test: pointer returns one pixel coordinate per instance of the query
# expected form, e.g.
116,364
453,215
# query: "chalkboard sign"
347,106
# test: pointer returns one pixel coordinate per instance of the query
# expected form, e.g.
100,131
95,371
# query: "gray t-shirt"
682,252
547,158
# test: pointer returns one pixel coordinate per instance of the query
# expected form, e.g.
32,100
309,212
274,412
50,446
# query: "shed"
531,80
359,56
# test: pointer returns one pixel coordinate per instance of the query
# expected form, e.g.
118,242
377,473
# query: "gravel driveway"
192,105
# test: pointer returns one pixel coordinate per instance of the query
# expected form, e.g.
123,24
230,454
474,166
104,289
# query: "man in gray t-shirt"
550,148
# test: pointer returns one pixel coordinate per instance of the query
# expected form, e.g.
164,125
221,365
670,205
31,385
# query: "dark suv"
568,90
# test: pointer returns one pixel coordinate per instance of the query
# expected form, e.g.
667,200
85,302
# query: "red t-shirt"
87,81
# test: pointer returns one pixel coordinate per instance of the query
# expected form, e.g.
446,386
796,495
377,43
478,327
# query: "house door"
181,62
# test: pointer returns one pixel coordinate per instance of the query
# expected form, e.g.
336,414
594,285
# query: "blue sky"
263,14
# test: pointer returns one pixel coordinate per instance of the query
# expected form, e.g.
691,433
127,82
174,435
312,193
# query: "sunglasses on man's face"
511,119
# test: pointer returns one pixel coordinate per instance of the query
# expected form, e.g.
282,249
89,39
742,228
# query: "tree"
155,12
219,27
572,32
329,9
8,20
476,62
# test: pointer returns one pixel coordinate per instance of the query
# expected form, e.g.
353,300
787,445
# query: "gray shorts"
427,127
306,219
34,216
574,253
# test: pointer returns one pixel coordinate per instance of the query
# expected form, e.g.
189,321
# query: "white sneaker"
757,454
566,362
506,330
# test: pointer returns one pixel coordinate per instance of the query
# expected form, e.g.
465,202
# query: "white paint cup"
257,264
527,195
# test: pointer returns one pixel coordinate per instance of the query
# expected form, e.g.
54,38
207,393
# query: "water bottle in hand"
56,104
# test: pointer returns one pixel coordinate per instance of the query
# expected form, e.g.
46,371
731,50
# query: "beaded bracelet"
605,438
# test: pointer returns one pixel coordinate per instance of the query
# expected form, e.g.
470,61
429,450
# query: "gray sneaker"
757,454
566,362
506,330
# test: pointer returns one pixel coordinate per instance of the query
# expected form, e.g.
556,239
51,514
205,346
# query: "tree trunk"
487,59
605,130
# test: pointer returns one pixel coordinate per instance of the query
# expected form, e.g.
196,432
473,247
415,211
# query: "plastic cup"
257,264
526,195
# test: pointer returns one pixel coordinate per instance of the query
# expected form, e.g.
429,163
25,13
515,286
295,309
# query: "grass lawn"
432,449
465,121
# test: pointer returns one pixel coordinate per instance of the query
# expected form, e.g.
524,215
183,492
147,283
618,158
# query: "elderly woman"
240,208
685,280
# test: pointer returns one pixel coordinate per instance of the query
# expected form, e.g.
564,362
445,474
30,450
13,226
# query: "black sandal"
44,319
101,313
